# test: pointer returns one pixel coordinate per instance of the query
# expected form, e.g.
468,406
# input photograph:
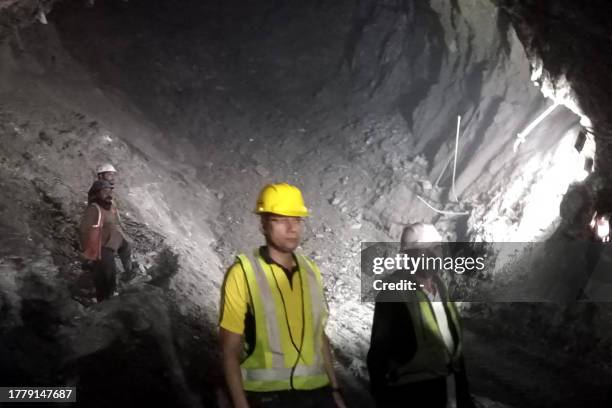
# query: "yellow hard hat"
281,199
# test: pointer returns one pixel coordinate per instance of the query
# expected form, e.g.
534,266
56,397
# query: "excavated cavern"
198,104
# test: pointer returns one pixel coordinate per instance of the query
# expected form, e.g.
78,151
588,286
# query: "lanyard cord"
299,350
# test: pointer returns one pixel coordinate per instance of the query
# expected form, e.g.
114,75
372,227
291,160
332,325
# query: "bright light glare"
530,203
603,229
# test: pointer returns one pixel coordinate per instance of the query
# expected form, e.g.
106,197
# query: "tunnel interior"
488,119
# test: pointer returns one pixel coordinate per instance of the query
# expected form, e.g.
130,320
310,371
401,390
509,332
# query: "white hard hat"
105,168
417,233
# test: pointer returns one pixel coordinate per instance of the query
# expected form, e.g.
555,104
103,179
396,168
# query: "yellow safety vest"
432,358
269,366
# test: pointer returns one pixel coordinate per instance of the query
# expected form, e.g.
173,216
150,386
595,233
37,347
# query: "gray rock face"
567,44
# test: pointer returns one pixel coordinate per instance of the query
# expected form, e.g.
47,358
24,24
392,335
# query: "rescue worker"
273,313
102,238
107,172
415,357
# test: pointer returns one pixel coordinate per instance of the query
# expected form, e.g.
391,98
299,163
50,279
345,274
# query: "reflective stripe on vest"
99,224
269,366
432,358
282,373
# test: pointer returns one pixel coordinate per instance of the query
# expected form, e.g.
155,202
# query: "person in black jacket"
415,357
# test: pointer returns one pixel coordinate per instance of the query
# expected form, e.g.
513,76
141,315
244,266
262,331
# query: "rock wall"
568,44
56,127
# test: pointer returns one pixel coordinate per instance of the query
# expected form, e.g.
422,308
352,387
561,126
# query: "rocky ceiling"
570,39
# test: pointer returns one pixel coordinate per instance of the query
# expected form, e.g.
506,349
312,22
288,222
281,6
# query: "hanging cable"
451,157
442,211
455,163
299,350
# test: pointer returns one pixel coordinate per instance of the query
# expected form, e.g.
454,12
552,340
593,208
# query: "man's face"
106,195
108,176
282,232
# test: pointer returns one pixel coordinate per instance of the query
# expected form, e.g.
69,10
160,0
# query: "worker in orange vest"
102,237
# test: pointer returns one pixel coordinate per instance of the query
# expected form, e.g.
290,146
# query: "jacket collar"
265,254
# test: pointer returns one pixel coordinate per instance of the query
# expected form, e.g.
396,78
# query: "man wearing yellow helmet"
273,313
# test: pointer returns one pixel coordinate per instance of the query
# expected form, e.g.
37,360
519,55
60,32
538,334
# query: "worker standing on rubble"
416,349
273,312
102,237
107,172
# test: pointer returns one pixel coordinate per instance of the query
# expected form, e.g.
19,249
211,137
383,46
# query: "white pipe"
522,135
